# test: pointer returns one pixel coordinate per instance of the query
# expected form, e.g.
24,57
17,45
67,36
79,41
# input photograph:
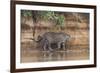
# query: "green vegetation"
60,20
26,13
51,16
56,17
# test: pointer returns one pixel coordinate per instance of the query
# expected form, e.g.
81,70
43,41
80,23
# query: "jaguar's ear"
39,38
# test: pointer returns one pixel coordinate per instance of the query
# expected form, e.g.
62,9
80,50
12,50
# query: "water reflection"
57,55
52,56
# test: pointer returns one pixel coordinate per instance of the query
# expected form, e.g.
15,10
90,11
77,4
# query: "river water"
72,53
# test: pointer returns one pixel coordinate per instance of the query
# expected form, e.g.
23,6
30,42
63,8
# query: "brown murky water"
30,54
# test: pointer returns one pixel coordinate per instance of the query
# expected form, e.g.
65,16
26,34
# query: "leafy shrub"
26,13
57,18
